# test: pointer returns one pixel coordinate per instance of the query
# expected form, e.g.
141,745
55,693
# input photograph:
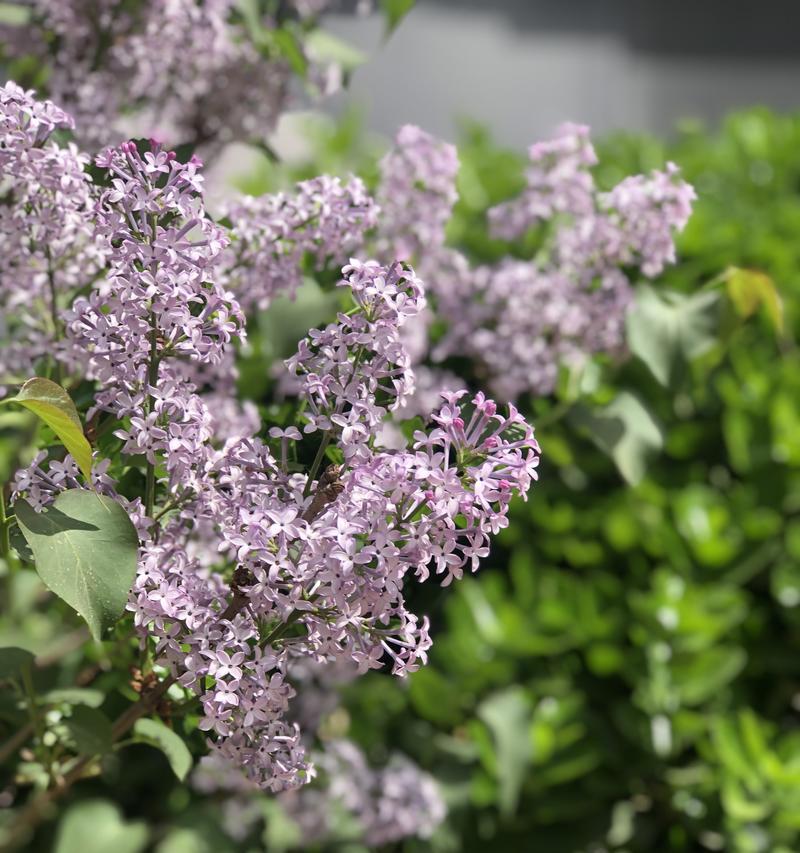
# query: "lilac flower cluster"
521,320
245,564
46,246
356,370
193,69
322,219
389,803
558,181
416,194
157,307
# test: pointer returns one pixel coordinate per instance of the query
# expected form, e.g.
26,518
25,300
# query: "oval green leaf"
85,549
54,406
155,733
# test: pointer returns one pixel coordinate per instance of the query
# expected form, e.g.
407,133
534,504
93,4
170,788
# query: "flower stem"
152,381
312,473
5,541
51,284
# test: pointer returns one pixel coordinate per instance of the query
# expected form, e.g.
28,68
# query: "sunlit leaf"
55,407
749,290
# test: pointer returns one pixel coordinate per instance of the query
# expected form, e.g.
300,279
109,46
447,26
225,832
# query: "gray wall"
522,66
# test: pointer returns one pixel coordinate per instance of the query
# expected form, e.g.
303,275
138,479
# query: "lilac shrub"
266,549
247,563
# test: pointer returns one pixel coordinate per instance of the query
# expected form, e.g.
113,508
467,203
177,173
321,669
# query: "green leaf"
749,290
625,430
74,696
508,717
90,730
97,826
322,46
288,46
54,406
666,328
13,660
155,733
395,11
14,15
85,550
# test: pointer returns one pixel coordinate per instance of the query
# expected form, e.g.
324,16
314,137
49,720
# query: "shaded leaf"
665,328
13,660
85,550
625,430
90,730
156,734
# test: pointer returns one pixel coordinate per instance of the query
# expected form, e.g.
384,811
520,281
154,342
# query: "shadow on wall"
522,66
704,27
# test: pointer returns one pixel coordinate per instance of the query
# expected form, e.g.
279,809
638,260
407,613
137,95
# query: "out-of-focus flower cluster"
208,72
416,194
248,563
520,320
323,219
46,246
385,804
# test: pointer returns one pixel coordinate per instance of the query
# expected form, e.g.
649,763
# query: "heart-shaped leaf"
625,430
155,733
85,550
55,407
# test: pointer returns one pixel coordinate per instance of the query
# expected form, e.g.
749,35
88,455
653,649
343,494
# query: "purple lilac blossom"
416,195
520,321
177,67
323,219
47,250
255,565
